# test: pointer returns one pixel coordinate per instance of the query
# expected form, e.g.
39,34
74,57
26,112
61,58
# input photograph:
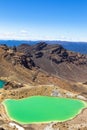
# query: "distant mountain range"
80,47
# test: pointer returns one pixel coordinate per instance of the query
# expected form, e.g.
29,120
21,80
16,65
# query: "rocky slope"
43,64
56,60
43,69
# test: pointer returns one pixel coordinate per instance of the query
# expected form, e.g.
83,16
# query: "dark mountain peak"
55,48
54,52
25,45
39,46
24,48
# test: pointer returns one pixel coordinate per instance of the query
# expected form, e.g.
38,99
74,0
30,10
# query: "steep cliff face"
14,57
56,60
15,66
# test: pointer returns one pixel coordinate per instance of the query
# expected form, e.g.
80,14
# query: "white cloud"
32,35
23,31
23,34
6,35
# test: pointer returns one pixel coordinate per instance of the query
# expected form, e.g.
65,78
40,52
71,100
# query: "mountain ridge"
80,47
53,57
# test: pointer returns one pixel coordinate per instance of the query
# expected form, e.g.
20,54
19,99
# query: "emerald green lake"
2,83
36,109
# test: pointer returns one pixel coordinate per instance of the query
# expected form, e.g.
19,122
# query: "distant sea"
80,47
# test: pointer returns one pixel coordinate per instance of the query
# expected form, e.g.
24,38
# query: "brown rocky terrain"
43,69
56,60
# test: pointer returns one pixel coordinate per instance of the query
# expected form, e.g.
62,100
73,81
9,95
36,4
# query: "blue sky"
43,20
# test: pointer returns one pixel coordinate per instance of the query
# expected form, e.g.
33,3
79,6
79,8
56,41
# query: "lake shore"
10,118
